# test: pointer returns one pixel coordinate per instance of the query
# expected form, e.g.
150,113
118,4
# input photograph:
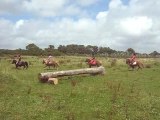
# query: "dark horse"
53,64
94,64
20,64
138,64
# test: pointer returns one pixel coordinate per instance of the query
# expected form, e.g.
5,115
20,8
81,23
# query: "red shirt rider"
92,61
133,58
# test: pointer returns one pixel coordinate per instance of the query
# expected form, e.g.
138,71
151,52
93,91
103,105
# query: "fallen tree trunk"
43,77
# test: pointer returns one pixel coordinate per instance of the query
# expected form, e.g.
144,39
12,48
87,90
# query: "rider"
92,61
133,58
50,58
18,58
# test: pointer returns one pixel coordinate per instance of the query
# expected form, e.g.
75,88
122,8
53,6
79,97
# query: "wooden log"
43,77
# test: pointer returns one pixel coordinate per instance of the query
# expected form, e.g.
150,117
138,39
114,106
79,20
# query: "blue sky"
118,24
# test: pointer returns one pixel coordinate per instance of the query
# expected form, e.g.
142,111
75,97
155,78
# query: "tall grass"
119,94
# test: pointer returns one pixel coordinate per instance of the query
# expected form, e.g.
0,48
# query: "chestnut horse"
49,64
138,64
95,64
20,64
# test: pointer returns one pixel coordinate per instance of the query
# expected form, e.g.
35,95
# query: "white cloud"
136,25
19,23
119,27
44,7
11,7
115,4
102,15
86,2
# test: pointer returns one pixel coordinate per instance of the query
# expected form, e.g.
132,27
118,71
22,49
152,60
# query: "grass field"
120,94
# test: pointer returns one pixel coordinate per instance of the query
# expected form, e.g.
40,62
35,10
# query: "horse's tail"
128,61
26,63
87,60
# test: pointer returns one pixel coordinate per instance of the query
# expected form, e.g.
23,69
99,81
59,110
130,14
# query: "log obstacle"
44,77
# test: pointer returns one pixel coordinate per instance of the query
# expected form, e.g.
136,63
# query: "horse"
96,63
137,64
49,64
20,64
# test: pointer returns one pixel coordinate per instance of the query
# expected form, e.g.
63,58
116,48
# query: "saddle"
133,63
19,63
49,62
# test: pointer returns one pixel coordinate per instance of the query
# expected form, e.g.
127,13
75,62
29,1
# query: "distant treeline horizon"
74,49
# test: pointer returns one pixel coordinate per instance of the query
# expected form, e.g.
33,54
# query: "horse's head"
14,61
44,61
87,60
128,61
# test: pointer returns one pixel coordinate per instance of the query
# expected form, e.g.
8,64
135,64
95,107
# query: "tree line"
73,49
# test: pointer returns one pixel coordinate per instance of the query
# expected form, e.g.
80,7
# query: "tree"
130,51
62,48
154,53
92,49
49,50
33,49
51,47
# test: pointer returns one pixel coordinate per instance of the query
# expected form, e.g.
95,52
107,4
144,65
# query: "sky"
118,24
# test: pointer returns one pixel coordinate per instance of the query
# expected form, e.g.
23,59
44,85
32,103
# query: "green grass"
118,95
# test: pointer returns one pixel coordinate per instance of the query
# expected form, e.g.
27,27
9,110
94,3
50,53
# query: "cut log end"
43,79
53,81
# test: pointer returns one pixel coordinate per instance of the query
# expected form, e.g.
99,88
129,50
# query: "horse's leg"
132,67
25,66
56,66
53,66
97,65
139,66
129,66
142,65
16,66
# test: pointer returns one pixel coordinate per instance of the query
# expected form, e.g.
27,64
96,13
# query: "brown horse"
49,64
20,64
138,64
95,64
